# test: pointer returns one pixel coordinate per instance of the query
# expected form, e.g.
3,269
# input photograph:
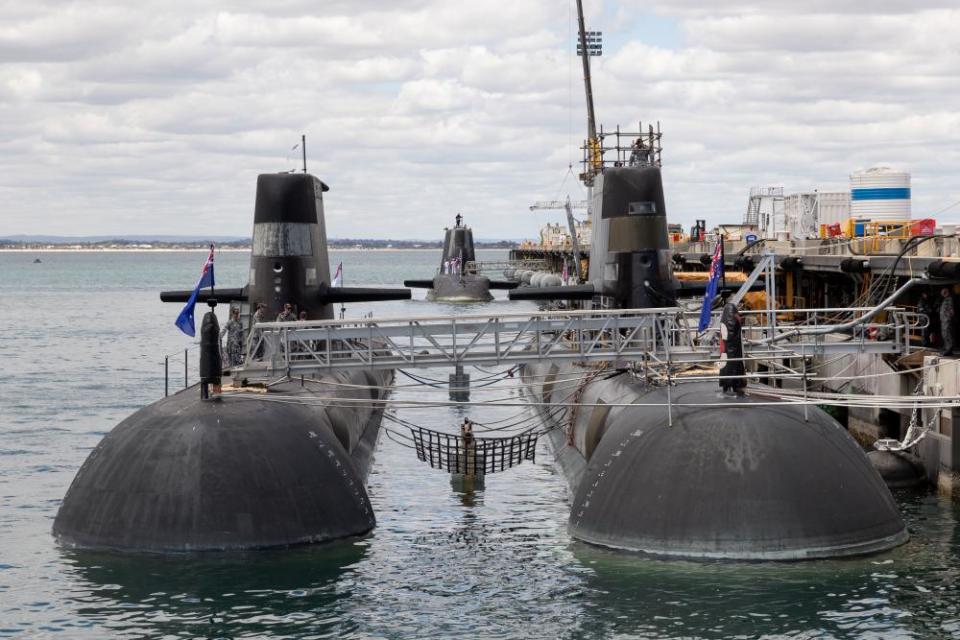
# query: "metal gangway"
498,266
651,336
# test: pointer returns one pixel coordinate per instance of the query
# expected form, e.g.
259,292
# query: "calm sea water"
82,346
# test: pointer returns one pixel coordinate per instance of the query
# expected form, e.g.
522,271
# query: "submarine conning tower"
631,261
453,282
458,243
288,259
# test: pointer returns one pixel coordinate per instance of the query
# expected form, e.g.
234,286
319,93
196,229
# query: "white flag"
338,276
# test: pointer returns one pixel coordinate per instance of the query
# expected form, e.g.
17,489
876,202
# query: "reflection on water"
900,594
466,563
497,563
289,592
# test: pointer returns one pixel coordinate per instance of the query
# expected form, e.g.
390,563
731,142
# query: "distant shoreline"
223,250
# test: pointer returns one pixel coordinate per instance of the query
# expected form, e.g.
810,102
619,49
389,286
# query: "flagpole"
723,261
213,292
303,147
343,306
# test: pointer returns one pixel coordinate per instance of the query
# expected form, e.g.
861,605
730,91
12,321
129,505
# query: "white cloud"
157,116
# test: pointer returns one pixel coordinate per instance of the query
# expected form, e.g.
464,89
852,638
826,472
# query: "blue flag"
185,320
716,272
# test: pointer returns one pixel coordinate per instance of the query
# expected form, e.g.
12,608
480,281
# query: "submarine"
735,478
452,282
261,465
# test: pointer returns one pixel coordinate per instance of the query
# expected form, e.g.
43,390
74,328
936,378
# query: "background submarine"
239,471
458,287
735,482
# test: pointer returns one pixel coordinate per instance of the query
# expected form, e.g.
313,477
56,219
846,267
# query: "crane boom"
558,205
568,206
587,83
594,151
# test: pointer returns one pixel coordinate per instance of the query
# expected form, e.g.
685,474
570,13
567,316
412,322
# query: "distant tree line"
333,243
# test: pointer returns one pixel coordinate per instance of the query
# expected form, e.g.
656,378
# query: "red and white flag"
338,276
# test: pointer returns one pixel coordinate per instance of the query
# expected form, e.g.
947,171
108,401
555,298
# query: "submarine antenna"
303,147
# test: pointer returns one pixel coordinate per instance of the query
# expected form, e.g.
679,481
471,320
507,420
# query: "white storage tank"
880,193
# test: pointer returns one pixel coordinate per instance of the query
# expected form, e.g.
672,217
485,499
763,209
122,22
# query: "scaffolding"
622,148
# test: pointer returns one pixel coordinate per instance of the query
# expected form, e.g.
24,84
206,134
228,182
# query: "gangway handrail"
846,326
589,313
613,335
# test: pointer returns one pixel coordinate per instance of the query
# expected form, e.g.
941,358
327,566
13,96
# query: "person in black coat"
732,372
927,306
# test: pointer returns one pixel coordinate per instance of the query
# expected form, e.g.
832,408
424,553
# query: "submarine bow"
235,473
739,482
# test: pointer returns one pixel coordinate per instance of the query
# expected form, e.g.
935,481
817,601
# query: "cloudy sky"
156,117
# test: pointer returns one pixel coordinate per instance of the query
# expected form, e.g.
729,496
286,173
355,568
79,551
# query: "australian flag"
185,320
716,272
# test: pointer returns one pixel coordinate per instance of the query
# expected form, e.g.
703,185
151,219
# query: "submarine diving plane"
265,465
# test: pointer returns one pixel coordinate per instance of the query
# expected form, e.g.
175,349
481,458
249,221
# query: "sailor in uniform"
233,329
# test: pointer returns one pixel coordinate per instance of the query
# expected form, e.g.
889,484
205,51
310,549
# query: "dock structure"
500,266
855,271
552,258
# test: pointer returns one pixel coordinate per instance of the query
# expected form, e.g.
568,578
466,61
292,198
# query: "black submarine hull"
246,470
724,482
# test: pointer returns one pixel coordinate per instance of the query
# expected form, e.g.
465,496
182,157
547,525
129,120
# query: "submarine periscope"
265,463
719,477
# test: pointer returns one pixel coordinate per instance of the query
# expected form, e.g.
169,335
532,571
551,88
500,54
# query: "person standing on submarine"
287,315
260,315
233,329
732,373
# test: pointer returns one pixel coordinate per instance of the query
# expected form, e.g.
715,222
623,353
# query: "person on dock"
233,329
928,308
732,373
287,315
947,317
